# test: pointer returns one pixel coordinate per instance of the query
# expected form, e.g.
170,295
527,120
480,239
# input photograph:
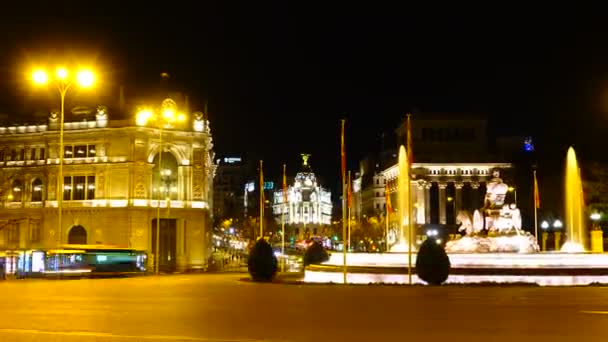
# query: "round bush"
432,263
262,263
315,254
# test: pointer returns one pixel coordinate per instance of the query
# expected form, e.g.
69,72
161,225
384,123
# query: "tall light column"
165,117
62,81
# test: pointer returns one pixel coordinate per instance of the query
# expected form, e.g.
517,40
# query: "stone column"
427,202
420,202
442,203
475,195
458,197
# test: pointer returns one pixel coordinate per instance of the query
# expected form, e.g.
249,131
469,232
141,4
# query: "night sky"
279,78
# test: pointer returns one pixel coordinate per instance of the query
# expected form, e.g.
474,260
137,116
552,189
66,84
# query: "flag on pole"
284,186
408,146
350,192
261,182
536,193
387,194
343,153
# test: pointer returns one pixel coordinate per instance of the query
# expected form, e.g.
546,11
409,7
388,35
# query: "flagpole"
343,162
283,221
409,199
348,206
261,202
535,207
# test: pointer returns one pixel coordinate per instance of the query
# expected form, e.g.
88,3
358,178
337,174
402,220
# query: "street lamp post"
85,78
166,117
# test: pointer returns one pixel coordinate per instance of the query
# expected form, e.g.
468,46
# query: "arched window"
77,236
37,190
164,180
17,191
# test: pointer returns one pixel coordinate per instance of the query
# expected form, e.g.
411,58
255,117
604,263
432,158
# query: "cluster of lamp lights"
63,80
84,77
557,224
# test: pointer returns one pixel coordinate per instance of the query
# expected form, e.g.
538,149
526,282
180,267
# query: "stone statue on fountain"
496,227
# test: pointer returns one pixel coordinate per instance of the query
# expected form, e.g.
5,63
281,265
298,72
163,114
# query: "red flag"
536,193
261,183
408,146
343,153
284,186
387,194
350,192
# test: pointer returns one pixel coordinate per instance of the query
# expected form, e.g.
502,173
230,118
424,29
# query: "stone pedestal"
558,240
544,238
597,241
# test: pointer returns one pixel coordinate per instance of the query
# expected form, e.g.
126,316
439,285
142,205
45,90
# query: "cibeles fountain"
493,248
494,228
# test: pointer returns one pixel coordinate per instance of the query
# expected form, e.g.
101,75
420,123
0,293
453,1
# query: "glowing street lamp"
85,78
165,117
514,191
557,224
544,225
595,217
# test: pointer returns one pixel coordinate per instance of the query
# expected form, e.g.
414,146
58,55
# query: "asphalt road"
222,308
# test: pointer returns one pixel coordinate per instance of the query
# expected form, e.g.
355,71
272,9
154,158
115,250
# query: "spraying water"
403,202
574,206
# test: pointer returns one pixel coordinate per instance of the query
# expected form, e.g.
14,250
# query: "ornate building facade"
113,187
308,204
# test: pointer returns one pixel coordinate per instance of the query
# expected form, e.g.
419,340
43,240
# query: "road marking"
596,312
109,335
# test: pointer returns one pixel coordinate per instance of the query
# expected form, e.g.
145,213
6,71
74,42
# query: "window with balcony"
2,156
78,188
165,180
68,152
16,191
41,154
90,187
37,190
79,151
79,183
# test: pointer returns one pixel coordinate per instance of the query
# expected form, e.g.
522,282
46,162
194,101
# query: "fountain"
574,207
495,228
494,248
403,203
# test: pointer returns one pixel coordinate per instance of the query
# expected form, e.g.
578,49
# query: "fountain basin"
540,268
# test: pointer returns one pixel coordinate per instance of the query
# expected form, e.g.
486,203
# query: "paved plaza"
222,308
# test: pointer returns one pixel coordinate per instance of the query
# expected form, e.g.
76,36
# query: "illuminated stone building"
453,160
308,204
112,185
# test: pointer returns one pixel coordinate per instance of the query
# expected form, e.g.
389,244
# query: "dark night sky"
278,79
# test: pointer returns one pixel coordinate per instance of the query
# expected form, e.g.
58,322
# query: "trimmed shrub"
432,263
262,264
315,254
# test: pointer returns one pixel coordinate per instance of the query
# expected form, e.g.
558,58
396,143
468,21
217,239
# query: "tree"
315,254
432,263
262,263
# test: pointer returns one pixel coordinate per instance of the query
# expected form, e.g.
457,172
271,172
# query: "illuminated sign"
528,145
232,160
268,185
